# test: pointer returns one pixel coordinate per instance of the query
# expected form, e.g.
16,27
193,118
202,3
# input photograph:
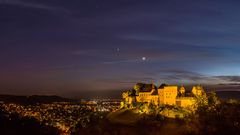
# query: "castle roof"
155,92
148,88
162,86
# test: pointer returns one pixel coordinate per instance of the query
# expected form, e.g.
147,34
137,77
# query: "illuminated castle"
164,95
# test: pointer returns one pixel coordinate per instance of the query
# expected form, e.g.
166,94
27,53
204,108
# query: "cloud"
177,76
122,61
141,37
28,4
62,67
229,84
87,52
229,79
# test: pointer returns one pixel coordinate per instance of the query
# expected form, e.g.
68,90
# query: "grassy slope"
124,116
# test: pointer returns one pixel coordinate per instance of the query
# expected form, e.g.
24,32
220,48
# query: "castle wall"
143,97
197,90
155,99
185,101
168,95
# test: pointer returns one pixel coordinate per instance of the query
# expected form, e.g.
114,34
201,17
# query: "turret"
182,90
197,90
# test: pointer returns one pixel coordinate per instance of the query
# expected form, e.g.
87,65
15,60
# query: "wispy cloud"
87,52
28,4
141,37
123,61
229,79
62,67
195,77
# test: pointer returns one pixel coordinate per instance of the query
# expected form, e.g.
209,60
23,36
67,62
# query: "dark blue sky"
62,46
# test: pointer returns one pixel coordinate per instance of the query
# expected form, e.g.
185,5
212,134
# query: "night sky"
64,47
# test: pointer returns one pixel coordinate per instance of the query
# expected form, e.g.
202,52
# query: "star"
143,58
118,49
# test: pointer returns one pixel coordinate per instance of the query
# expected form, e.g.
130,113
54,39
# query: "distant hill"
228,94
33,99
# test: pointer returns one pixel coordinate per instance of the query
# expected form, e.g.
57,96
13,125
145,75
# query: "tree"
138,87
213,99
202,102
132,92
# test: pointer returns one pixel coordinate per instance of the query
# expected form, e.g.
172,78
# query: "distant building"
164,95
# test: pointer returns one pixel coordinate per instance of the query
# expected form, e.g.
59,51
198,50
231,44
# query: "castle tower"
197,90
167,94
153,87
182,90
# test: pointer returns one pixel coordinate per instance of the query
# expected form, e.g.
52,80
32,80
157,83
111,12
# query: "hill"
33,99
124,116
228,94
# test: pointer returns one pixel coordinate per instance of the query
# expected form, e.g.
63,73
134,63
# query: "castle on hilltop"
163,95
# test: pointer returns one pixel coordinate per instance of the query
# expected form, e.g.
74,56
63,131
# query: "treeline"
34,99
